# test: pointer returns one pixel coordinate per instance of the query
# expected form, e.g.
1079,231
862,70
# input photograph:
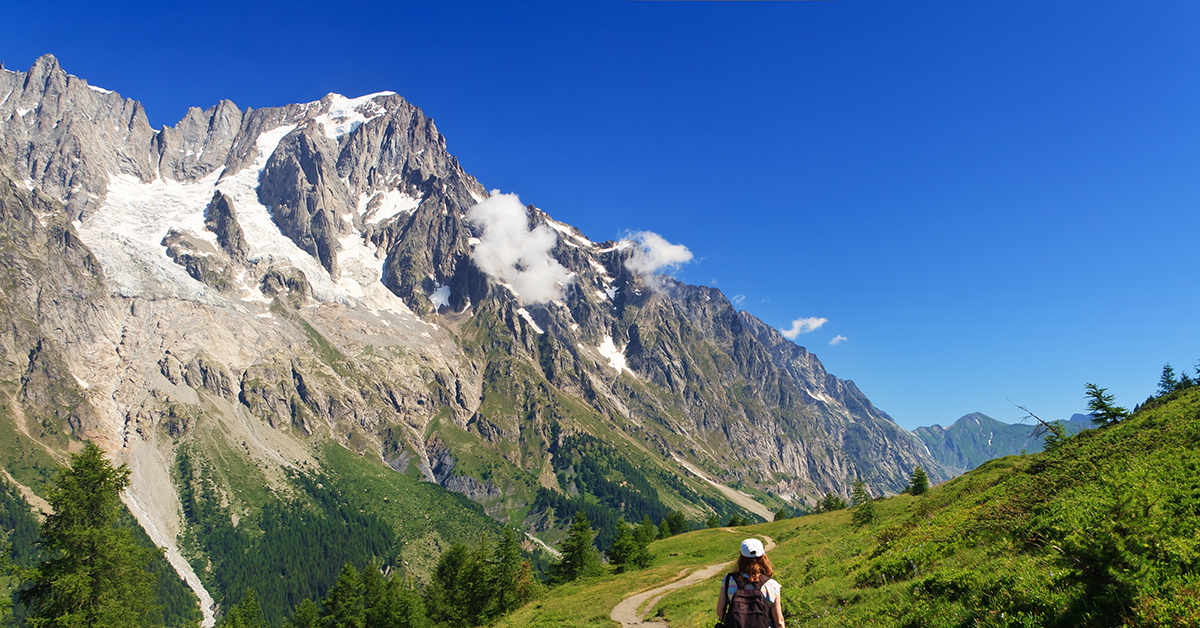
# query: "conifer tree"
95,573
375,597
443,595
1102,407
830,503
919,482
474,586
864,506
646,532
245,614
306,615
782,514
405,608
528,586
579,557
1167,383
664,529
627,550
620,553
677,522
506,569
344,607
712,521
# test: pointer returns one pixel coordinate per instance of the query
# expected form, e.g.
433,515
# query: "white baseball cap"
752,548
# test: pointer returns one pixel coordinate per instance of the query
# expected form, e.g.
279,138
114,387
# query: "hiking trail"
626,612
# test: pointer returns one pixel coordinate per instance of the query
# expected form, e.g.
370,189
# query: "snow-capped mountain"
327,271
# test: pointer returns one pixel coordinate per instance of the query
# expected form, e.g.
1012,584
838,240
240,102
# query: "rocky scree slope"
251,282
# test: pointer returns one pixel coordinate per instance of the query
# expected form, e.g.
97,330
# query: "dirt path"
626,612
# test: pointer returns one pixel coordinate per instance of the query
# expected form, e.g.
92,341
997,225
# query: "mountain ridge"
961,446
250,284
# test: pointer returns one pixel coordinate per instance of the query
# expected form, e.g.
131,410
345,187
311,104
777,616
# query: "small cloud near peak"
510,252
653,254
837,340
803,326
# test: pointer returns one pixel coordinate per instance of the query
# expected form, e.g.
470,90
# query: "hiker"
749,596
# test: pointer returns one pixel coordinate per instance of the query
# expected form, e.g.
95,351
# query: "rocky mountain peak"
252,283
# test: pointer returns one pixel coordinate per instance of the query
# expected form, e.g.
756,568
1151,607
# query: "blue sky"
990,201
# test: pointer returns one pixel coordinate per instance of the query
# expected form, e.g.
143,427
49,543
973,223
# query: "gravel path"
626,613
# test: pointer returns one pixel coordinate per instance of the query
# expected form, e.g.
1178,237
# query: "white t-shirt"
770,590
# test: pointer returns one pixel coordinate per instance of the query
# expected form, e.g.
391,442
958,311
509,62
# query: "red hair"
757,569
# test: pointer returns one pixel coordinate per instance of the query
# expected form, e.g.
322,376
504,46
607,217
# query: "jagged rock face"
306,198
55,304
305,272
221,219
203,262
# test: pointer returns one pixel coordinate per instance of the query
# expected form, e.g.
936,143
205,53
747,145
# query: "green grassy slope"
1103,531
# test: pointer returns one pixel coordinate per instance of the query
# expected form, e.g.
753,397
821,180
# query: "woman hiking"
749,596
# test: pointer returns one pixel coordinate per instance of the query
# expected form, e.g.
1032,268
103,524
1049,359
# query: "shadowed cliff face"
305,272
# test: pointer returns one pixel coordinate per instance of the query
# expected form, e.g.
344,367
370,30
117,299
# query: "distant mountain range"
976,438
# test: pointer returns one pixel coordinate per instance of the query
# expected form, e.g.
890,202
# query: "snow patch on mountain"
347,114
126,234
529,319
391,204
440,297
616,357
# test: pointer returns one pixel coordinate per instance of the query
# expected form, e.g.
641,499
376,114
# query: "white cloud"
652,254
512,253
837,340
737,299
803,326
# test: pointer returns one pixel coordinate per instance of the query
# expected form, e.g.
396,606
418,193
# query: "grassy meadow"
1103,530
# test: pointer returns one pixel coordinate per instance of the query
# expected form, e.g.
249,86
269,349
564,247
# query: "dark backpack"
747,608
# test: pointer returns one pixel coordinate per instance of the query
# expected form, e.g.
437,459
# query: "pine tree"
830,503
1102,407
629,548
306,615
528,586
344,607
245,614
782,514
6,568
474,586
624,545
1167,383
677,522
443,594
664,529
376,596
712,521
579,557
864,506
405,608
95,573
919,482
506,568
646,532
